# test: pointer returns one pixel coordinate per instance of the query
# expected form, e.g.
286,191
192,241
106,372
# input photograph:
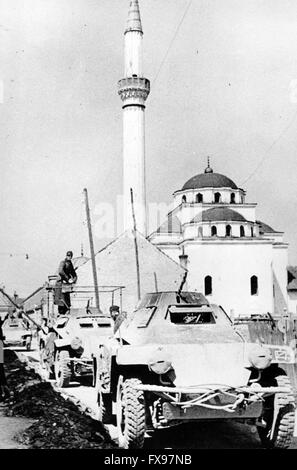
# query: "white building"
233,258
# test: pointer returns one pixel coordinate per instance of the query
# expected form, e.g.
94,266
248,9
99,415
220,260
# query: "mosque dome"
209,179
219,214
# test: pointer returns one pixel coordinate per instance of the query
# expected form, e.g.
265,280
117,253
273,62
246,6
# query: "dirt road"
9,427
223,435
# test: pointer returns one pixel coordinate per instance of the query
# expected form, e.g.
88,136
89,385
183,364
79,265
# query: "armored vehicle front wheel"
279,417
130,414
62,368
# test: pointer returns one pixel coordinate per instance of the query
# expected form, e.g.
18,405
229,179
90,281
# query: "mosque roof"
209,179
264,228
219,214
171,225
292,278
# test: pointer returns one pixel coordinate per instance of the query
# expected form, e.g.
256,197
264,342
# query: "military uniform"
66,273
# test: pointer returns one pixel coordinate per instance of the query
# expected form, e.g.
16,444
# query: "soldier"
116,317
67,277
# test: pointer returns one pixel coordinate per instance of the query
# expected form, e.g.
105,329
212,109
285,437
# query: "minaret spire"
134,20
208,169
134,90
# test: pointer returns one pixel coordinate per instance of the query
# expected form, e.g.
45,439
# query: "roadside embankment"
58,423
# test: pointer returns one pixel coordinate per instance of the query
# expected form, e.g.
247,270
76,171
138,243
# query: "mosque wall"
231,267
280,278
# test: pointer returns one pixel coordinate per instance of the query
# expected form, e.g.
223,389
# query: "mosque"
236,260
233,258
212,232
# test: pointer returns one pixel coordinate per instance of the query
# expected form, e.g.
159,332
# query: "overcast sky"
228,89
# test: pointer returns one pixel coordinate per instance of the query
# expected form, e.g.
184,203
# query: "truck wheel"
130,414
284,405
62,368
28,344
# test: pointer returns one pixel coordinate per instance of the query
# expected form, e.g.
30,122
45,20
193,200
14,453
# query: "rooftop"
218,214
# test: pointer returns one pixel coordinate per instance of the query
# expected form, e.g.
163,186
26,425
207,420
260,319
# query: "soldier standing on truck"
67,277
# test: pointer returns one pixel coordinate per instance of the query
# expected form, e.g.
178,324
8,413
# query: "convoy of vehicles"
175,359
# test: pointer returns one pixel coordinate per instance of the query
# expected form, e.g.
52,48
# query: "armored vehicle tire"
130,414
28,344
285,420
62,368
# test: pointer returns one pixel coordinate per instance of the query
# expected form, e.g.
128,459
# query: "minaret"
134,90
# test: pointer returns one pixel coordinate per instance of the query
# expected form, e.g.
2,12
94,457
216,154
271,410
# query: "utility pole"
135,244
92,249
156,282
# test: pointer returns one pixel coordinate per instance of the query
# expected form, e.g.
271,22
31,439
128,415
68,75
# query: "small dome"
219,214
209,180
264,228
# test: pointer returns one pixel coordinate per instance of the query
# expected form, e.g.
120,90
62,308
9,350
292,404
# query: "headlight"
260,357
76,343
160,362
160,367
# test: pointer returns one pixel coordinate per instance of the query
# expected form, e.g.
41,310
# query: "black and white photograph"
148,249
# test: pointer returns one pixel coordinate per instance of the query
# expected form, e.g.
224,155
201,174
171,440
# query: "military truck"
177,358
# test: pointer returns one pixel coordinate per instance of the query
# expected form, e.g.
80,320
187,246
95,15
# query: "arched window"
252,231
199,197
232,198
217,197
254,285
213,231
228,230
242,234
208,285
184,199
200,232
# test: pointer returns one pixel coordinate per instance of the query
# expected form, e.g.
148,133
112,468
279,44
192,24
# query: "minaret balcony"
133,90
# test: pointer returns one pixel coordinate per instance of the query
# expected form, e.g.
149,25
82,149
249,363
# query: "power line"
269,148
13,255
173,39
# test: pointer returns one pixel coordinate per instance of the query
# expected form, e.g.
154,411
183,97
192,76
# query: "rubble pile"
59,423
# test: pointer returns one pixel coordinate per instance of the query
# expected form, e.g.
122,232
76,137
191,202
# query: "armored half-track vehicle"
177,358
68,345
